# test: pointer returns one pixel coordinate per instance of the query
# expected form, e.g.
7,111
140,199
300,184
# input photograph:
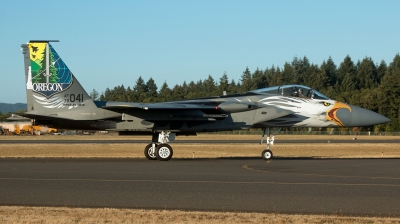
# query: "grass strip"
320,150
20,214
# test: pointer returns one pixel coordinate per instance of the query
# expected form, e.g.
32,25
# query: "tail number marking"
77,98
71,98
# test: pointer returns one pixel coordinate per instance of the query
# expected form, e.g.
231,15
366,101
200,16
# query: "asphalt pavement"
306,186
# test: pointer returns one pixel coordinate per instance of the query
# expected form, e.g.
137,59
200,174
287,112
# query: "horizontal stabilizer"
42,117
16,117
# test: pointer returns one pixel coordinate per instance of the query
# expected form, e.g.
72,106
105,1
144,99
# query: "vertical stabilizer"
51,88
28,76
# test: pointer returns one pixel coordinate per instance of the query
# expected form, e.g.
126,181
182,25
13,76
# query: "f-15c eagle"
56,99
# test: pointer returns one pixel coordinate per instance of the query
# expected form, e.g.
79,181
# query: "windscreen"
294,91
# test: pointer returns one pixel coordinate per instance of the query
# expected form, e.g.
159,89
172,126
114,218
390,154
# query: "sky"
109,43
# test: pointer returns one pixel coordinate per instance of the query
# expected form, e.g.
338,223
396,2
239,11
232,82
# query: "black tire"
266,154
147,152
164,152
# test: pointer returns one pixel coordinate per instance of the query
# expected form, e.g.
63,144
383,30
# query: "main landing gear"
163,151
267,153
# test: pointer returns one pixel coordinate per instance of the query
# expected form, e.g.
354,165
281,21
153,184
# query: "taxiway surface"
307,186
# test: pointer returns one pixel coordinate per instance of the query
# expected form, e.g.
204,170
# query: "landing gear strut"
163,151
267,153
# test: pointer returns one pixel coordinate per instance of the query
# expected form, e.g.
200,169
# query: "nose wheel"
266,154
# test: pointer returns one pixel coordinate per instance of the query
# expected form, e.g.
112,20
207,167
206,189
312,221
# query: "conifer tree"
366,74
223,84
259,80
41,77
151,93
94,95
246,80
288,74
165,93
389,92
210,86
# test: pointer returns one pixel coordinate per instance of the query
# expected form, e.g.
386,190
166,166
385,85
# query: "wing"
197,110
179,110
125,106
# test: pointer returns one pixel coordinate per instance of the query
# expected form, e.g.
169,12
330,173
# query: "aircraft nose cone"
359,117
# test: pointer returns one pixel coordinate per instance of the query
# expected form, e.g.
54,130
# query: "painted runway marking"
247,167
201,182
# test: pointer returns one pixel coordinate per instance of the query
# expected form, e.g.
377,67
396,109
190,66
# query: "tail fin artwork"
51,88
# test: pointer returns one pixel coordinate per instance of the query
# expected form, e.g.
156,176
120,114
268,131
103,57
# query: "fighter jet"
56,99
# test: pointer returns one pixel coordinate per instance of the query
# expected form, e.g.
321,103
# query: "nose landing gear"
267,153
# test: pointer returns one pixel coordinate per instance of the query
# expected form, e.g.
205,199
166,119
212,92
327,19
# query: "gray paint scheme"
235,112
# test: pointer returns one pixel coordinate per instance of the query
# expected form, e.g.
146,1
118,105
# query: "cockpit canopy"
293,90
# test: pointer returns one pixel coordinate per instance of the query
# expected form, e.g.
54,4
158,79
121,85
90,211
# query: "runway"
306,186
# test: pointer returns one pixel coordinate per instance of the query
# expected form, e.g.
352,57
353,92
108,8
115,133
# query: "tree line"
12,107
6,109
374,86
